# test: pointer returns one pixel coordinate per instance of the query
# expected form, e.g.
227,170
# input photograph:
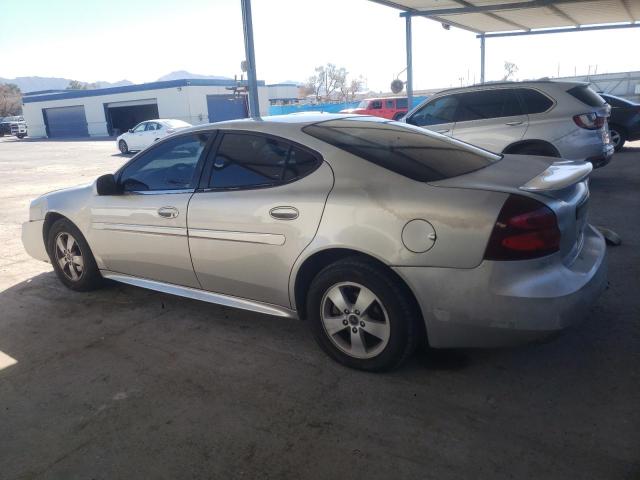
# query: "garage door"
225,107
67,122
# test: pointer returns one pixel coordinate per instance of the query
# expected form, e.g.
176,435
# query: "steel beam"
560,30
486,8
409,48
482,58
247,25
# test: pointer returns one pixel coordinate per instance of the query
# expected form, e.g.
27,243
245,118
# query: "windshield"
363,104
410,151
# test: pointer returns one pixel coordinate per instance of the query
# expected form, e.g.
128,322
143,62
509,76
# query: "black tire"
123,147
618,137
88,278
402,313
21,135
535,149
399,115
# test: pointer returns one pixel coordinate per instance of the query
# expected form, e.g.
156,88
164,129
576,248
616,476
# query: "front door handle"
168,212
284,213
513,124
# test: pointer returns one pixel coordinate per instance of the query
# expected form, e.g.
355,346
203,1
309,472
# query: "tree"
330,83
76,85
10,100
510,69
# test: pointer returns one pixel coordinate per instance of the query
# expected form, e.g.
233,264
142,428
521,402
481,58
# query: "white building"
110,111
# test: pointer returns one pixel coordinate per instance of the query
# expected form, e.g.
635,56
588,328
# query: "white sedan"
147,132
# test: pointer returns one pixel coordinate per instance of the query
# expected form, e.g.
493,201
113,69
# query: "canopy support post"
247,25
409,48
482,58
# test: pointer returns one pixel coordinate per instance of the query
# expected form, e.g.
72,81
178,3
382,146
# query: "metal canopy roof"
492,16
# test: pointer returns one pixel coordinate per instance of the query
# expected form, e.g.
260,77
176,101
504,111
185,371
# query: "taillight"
590,121
526,228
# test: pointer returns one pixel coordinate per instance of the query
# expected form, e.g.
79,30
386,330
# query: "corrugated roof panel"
480,22
542,17
601,11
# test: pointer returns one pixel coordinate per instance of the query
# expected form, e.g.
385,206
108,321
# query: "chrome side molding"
248,237
210,297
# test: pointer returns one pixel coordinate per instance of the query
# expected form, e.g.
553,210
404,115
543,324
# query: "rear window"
409,151
177,123
586,96
533,101
401,103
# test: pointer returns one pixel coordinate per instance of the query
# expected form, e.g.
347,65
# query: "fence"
322,107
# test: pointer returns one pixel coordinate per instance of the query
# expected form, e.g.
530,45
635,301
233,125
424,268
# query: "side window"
388,104
488,104
249,161
440,110
151,126
170,165
534,102
376,104
140,128
401,103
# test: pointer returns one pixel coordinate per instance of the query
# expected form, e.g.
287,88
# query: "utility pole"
247,25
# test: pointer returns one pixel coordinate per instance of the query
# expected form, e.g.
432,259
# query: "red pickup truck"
392,108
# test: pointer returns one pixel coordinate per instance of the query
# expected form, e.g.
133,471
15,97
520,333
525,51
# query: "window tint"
388,104
440,110
170,165
534,102
247,161
376,104
488,104
151,126
140,128
409,151
401,103
586,96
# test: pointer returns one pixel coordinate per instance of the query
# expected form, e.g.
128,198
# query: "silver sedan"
380,235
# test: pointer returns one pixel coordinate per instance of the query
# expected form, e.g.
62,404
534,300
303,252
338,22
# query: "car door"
136,140
143,231
261,205
436,115
491,119
149,136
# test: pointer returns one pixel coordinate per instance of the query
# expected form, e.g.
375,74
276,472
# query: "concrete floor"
128,383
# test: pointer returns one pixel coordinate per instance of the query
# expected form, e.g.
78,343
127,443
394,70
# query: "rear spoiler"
559,175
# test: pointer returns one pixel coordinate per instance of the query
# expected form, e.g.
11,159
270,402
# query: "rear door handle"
284,213
168,212
513,124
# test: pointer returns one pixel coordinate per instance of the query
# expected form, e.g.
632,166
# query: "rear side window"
401,103
440,110
533,101
251,161
409,151
388,104
586,96
487,104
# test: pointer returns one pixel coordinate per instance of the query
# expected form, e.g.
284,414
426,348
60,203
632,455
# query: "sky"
141,40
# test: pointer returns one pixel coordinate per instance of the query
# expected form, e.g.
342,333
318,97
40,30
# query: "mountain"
35,84
181,74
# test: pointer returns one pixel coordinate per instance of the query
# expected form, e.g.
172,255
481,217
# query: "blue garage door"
66,122
225,107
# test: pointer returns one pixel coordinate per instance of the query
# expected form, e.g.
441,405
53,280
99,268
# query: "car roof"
490,85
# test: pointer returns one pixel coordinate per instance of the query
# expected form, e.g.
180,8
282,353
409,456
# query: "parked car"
556,119
624,123
393,107
147,132
379,234
15,126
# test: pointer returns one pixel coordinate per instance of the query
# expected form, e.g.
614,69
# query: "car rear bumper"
508,303
33,241
604,158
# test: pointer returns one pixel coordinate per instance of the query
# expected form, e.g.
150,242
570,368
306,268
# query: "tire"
21,135
123,147
72,260
618,137
390,313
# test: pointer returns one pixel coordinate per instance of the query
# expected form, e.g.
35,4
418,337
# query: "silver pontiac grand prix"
381,235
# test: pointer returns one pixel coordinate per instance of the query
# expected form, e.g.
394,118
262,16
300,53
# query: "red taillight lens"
590,121
526,228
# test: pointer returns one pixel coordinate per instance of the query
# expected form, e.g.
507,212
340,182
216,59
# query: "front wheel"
21,135
362,316
71,257
123,147
618,137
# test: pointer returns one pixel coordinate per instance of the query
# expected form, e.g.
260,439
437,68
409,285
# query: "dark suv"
624,123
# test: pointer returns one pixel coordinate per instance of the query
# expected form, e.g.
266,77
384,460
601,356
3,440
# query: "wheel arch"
314,263
533,143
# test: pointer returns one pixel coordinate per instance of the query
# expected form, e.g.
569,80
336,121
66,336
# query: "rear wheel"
71,257
618,137
21,135
362,316
124,148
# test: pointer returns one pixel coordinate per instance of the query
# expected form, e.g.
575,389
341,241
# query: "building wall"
187,103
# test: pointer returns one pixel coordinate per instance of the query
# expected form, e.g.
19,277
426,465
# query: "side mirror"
131,130
107,185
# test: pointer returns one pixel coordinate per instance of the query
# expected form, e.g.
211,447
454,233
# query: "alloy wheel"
355,320
615,138
69,256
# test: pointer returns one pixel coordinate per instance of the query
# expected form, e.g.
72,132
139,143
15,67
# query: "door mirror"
131,130
107,185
